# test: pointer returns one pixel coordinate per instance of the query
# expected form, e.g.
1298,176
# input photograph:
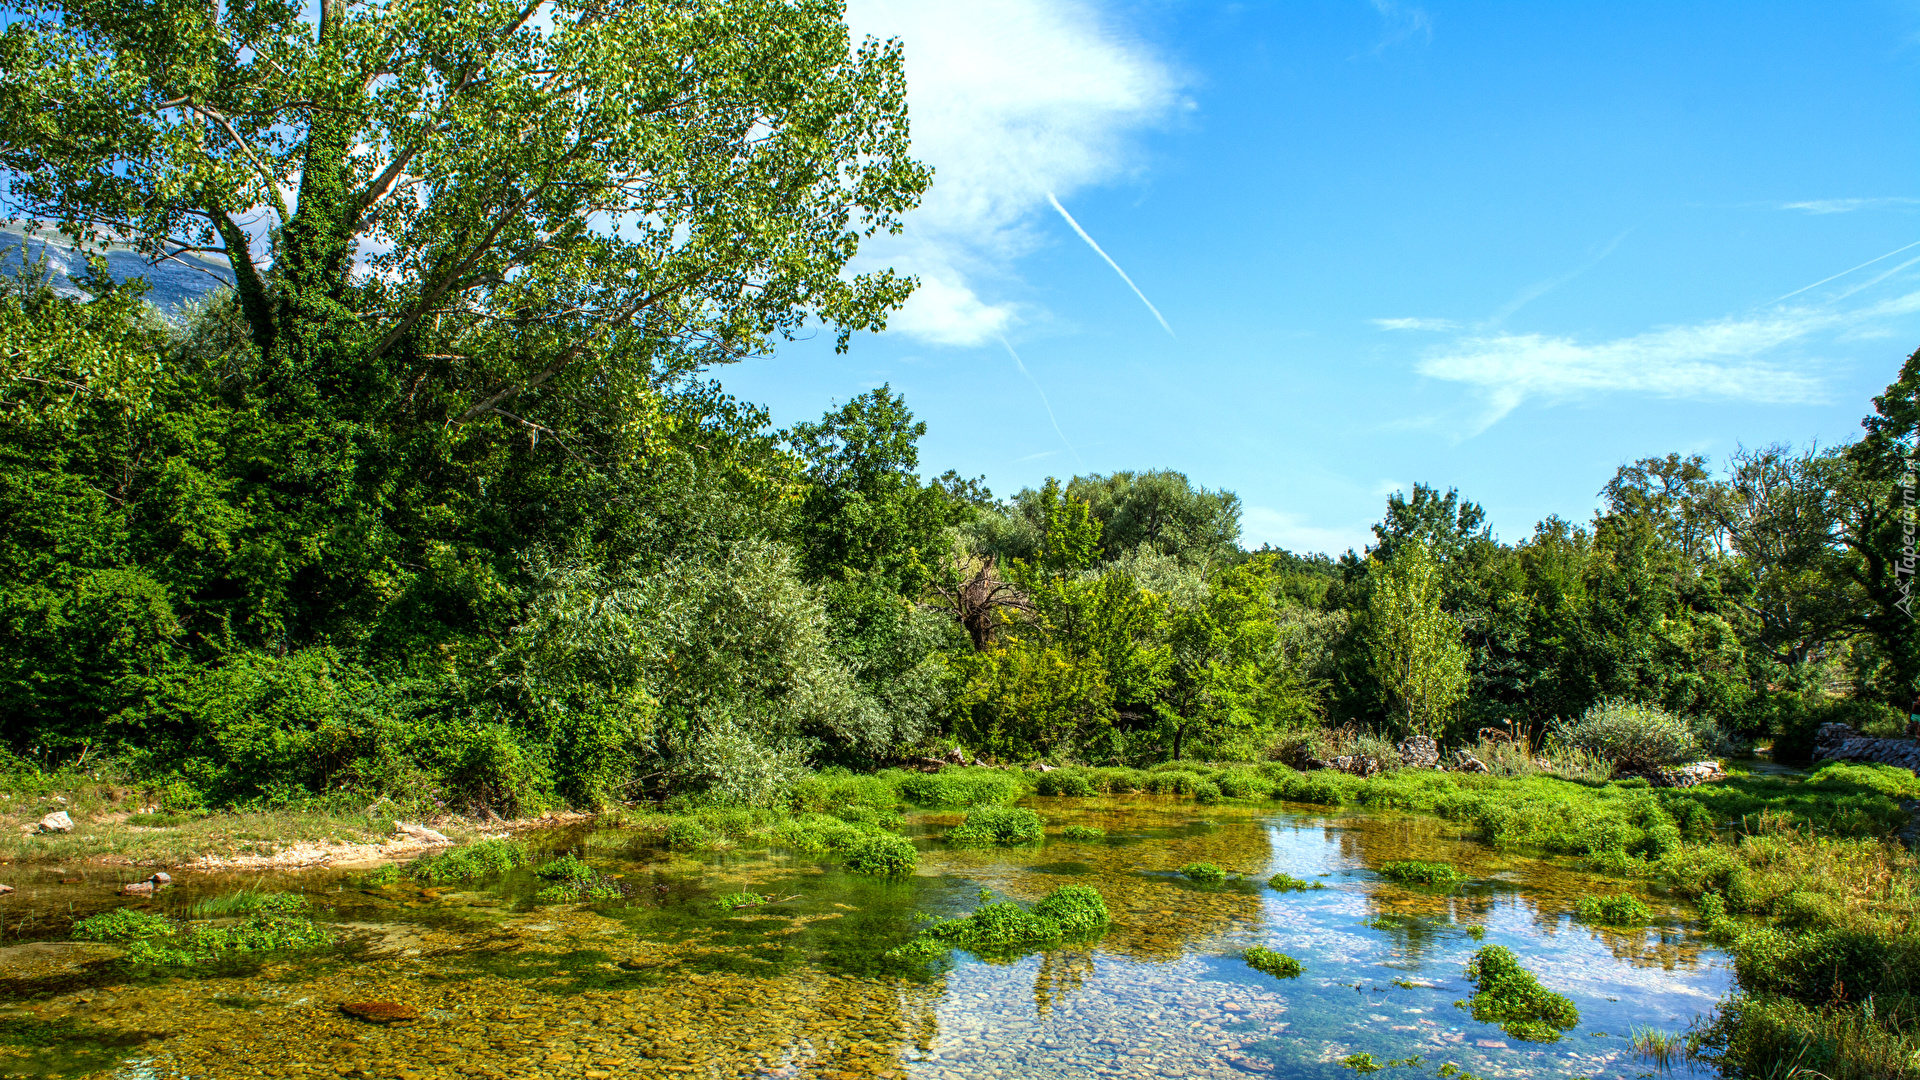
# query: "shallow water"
665,984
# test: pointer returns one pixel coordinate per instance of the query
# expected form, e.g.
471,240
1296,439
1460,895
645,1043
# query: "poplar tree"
1414,647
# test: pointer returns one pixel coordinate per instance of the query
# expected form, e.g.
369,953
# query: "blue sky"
1498,247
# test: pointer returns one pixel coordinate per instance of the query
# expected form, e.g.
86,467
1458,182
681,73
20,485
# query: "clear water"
666,984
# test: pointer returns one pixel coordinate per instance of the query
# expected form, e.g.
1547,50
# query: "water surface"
666,984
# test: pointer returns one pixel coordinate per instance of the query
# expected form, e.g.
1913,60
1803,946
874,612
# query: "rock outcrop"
1420,752
1840,742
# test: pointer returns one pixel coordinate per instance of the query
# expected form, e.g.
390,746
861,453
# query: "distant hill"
173,283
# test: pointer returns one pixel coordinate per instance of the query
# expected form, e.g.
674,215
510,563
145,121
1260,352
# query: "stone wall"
1840,742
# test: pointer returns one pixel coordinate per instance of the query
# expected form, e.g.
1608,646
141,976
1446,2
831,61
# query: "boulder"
419,833
1465,762
1420,752
5,889
148,887
58,821
1684,776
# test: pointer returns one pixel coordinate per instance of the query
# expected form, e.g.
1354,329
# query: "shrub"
882,855
1278,965
1174,781
1508,994
1630,735
1083,832
1414,872
1203,873
961,787
468,861
124,924
1243,784
1618,910
998,825
1288,883
1063,782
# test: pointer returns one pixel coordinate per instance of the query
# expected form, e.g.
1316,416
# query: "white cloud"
1846,206
1265,525
1009,99
1725,359
1416,324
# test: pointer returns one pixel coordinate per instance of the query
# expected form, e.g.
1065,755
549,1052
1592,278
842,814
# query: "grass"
248,901
464,863
1660,1047
1508,994
1278,965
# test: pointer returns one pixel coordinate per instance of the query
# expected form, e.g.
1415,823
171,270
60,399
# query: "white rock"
419,833
58,821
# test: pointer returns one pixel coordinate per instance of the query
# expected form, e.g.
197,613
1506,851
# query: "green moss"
882,855
1425,874
467,862
1288,883
1203,873
124,924
998,825
1083,832
1618,910
1278,965
1508,994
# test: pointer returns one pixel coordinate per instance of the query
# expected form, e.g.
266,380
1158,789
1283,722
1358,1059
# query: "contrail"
1116,266
1043,394
1841,274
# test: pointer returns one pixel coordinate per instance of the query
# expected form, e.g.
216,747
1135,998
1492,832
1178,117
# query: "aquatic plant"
468,861
1362,1063
735,901
567,868
1508,994
1083,832
1203,873
882,855
246,901
998,825
961,787
124,924
1660,1047
1415,872
261,933
1063,782
1278,965
1288,883
868,815
1004,927
1618,910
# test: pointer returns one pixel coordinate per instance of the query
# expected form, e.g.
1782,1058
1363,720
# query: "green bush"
1278,965
835,789
1063,782
998,825
822,833
1288,883
883,855
468,861
1203,873
1508,994
1617,910
1243,784
1415,872
124,924
961,787
1630,735
1083,832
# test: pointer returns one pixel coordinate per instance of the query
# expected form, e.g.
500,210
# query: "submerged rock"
380,1012
58,821
149,886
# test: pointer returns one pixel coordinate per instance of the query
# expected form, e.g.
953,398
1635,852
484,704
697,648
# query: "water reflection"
667,985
